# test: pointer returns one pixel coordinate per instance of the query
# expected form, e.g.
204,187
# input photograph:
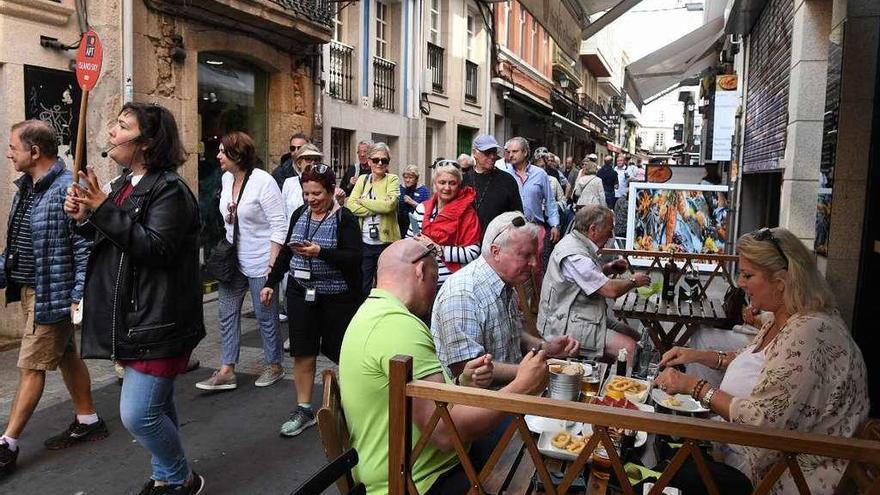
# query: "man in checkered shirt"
476,309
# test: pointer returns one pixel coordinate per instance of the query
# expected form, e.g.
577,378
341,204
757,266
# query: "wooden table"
684,315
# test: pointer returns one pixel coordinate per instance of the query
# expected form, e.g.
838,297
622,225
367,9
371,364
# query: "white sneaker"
282,317
286,345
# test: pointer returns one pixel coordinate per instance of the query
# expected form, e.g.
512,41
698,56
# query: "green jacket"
378,198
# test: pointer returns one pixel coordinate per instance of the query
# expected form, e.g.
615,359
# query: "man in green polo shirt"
386,325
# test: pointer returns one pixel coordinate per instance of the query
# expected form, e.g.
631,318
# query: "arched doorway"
232,96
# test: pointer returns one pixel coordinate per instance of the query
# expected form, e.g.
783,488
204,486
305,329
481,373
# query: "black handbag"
222,264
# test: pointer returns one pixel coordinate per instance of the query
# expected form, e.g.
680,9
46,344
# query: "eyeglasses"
516,223
230,211
383,161
294,149
766,234
430,250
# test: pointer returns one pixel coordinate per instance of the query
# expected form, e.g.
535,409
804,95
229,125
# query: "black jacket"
497,193
143,297
346,256
355,170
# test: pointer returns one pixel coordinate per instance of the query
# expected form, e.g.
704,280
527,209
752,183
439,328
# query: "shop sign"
724,116
88,61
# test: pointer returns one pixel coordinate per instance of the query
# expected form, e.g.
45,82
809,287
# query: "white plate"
540,424
545,446
630,396
588,369
641,436
688,404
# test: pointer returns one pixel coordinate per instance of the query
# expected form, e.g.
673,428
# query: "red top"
163,367
456,225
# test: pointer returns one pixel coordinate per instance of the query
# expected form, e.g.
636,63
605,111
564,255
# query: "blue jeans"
146,407
230,298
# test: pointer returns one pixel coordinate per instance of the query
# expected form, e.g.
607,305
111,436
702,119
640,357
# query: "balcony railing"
320,11
383,84
435,63
340,71
471,78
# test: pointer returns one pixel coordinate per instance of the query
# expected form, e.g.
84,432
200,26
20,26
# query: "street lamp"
563,82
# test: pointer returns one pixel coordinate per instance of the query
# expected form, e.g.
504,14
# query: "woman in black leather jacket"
143,304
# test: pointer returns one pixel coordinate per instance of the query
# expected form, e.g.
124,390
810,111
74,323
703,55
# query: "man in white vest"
576,285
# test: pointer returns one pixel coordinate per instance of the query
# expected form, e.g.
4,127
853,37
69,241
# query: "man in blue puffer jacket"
44,267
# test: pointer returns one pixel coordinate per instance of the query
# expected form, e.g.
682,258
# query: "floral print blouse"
814,380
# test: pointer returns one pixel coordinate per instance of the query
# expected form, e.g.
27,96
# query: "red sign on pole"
88,61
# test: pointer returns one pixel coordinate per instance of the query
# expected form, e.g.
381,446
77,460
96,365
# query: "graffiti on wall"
53,96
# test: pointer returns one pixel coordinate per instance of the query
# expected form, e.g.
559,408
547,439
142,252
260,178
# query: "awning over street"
667,67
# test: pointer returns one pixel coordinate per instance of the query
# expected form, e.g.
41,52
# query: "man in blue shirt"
539,202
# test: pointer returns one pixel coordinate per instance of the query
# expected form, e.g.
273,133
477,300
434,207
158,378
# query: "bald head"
408,270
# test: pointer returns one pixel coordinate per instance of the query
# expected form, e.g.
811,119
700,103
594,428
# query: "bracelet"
720,362
707,399
695,393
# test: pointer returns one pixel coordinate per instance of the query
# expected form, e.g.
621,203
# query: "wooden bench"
784,444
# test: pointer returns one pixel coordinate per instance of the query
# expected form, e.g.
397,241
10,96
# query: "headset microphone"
107,151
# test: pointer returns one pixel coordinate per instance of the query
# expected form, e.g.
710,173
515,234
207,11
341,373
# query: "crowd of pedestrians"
124,258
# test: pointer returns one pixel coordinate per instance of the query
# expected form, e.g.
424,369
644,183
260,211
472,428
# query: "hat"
592,156
308,150
486,142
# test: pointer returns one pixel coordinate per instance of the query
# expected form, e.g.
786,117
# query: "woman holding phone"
322,259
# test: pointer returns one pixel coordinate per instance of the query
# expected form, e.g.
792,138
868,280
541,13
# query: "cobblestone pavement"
230,437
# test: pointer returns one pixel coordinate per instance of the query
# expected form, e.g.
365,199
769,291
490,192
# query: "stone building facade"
218,65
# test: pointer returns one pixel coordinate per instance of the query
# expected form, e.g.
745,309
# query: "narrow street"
231,437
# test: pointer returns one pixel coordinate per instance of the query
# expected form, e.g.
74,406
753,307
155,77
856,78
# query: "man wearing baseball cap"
497,191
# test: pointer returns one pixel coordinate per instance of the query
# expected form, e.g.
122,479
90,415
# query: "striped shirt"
454,254
23,270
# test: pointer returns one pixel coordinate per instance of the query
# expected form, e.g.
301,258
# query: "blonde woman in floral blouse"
802,372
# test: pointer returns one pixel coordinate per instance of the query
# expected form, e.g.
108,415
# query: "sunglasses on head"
430,250
382,161
766,234
516,223
320,168
441,163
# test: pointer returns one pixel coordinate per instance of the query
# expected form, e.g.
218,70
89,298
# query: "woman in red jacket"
450,221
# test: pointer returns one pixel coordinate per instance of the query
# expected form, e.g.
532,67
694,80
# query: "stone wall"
157,78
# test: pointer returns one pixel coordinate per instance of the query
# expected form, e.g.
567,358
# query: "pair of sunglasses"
516,223
766,234
230,212
443,163
430,250
319,168
383,161
294,149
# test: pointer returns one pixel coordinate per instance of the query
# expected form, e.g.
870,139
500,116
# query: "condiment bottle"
621,362
669,281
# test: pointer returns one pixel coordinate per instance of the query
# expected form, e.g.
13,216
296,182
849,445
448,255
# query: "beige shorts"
43,346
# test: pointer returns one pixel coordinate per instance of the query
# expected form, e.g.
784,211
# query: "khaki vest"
564,308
